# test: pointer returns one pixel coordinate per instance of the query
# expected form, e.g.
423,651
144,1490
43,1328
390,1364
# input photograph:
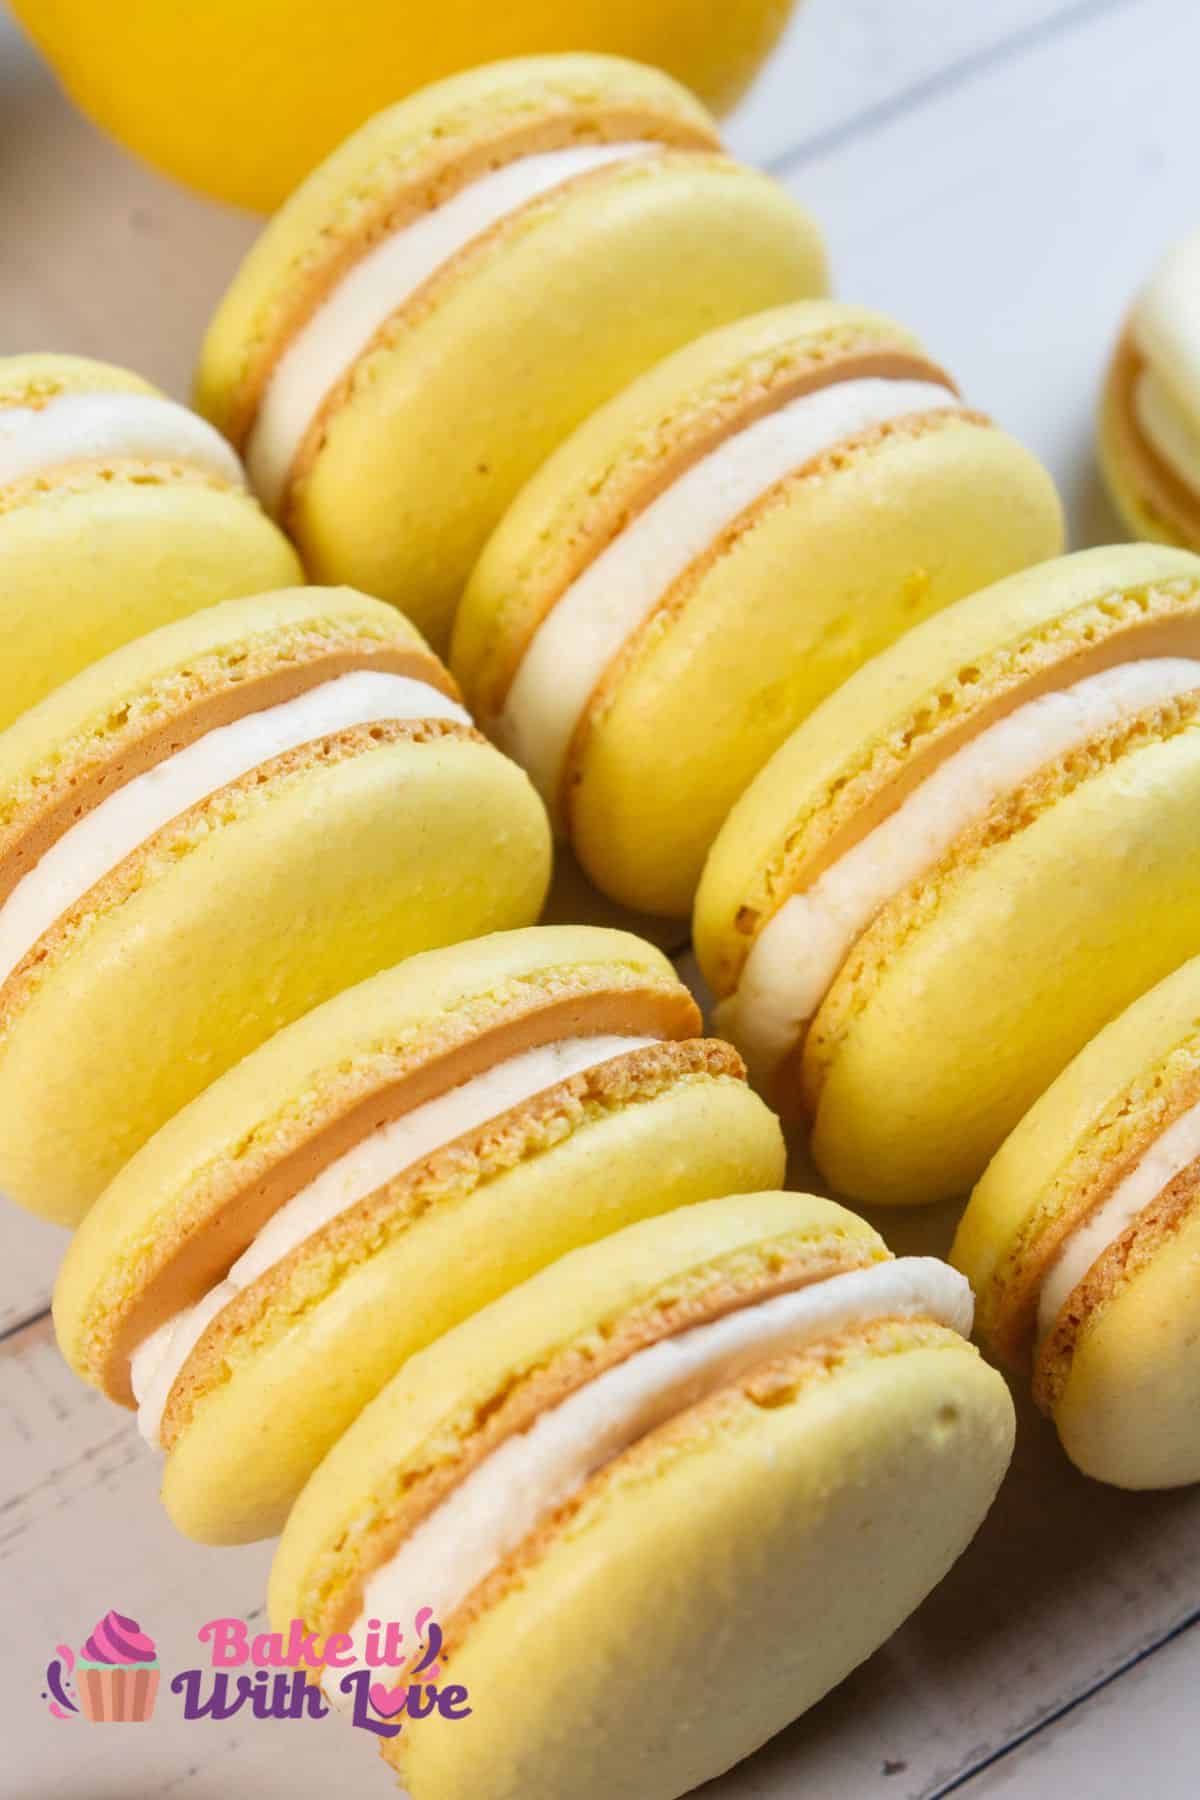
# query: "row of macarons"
497,1223
477,1282
963,863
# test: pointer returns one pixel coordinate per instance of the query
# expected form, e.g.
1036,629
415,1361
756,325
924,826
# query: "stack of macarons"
375,1173
712,553
119,510
211,830
463,281
975,853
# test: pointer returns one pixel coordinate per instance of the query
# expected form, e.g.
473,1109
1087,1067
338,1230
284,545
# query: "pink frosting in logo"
118,1640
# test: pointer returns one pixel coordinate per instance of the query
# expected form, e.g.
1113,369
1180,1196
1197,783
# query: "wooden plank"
1011,219
840,65
1112,1739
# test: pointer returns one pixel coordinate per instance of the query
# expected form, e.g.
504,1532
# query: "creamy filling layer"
362,1170
94,846
618,591
105,427
522,1482
1167,1157
797,955
1166,331
330,343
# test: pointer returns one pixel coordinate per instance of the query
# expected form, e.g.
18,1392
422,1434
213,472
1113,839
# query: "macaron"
210,831
463,281
713,552
375,1173
1150,413
120,510
1083,1242
962,865
659,1499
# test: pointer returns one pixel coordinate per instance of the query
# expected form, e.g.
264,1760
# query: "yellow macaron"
208,832
1150,411
713,552
464,280
973,855
659,1499
1083,1242
375,1173
119,510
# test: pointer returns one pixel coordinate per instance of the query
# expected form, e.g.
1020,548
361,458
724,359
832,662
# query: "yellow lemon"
241,98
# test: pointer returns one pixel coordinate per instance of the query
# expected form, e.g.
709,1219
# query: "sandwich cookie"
466,278
740,1411
967,861
119,511
212,830
1150,415
711,554
1083,1240
374,1174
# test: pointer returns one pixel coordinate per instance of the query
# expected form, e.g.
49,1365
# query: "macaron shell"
40,375
603,472
873,711
77,721
317,881
792,606
931,1046
441,1392
1113,1097
458,404
239,1462
338,202
1128,1414
261,1107
780,1544
85,569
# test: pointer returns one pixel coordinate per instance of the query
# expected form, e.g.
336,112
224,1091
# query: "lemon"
240,98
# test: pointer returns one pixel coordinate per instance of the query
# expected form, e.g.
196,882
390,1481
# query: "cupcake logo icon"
114,1676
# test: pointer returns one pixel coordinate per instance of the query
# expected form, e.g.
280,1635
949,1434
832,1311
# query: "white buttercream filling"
522,1482
1167,1157
798,953
111,831
1166,330
362,1170
617,592
104,427
329,344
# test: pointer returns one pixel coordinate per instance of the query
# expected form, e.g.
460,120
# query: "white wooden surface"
998,173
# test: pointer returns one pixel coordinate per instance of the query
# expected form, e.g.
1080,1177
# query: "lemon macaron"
208,832
1150,412
714,551
660,1498
119,511
375,1173
1083,1243
974,854
464,280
